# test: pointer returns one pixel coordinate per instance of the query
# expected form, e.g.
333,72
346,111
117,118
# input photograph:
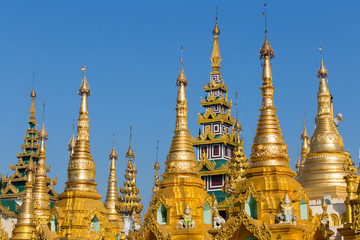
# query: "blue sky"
132,49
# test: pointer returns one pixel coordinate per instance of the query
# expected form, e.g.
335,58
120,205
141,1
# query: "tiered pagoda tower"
13,187
129,205
216,141
79,213
181,207
269,197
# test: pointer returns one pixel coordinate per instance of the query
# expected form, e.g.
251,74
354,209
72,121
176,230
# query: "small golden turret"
324,169
305,147
112,196
25,228
156,169
215,56
130,198
41,196
71,146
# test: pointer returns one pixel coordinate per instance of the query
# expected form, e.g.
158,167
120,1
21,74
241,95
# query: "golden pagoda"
112,196
40,191
181,208
217,139
269,203
79,213
25,227
327,162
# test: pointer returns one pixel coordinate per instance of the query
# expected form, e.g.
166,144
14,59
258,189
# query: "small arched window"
342,218
251,207
334,220
95,224
53,224
303,210
162,215
207,214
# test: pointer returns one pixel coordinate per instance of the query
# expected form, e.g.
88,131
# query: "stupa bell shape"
326,163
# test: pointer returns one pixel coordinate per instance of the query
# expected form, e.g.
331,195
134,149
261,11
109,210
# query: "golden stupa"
79,213
180,208
25,227
269,202
327,162
112,195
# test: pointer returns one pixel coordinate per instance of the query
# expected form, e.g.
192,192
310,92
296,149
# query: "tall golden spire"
81,168
71,146
269,148
32,108
181,158
112,196
41,196
130,199
215,56
325,164
25,228
156,169
79,208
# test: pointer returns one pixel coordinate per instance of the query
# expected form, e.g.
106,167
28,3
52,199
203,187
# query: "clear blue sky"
132,49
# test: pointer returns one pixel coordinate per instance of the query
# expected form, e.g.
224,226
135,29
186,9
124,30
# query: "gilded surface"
326,162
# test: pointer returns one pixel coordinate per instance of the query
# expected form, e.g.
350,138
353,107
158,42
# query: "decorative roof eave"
8,188
215,86
233,224
209,138
208,164
215,172
6,211
213,101
32,146
209,117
